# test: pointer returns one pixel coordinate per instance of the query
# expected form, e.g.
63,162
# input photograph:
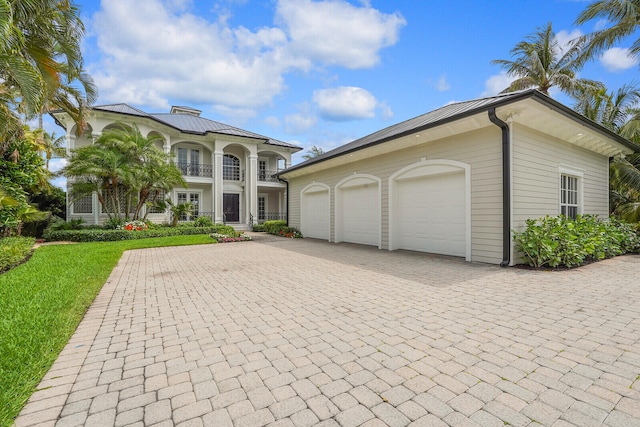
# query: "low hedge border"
95,235
278,228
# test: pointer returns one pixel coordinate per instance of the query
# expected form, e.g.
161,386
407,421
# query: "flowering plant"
136,225
290,232
225,238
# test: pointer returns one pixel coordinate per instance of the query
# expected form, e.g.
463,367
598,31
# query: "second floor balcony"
196,169
229,174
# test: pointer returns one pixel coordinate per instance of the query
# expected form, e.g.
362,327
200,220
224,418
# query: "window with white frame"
230,168
569,195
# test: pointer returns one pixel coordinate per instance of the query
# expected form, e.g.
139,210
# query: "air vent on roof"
185,110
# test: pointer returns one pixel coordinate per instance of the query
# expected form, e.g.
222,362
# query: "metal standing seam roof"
189,123
446,114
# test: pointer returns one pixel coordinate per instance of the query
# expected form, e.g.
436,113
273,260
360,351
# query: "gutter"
506,188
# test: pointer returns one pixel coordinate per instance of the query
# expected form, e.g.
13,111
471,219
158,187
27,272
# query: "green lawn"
42,303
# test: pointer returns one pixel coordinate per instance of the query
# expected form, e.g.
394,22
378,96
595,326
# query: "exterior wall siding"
481,149
537,159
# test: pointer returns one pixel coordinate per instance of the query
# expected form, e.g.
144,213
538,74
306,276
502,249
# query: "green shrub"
61,224
258,228
203,221
114,223
101,235
14,250
280,228
273,226
564,242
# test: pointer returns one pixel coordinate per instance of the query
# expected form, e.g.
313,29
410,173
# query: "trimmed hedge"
565,242
117,235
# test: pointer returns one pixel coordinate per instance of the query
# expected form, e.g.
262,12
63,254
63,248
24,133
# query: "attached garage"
314,210
429,212
358,210
458,180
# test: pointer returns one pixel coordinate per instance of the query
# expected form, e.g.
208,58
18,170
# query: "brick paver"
290,332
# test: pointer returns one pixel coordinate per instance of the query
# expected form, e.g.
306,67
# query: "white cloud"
442,85
618,59
272,121
56,165
299,123
157,50
345,103
564,39
496,84
335,32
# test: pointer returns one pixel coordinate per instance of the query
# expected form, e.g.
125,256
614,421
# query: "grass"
42,302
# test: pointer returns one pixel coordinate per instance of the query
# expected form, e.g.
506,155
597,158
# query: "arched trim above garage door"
315,214
357,210
423,170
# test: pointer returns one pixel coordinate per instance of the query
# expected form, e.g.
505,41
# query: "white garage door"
315,215
430,214
361,214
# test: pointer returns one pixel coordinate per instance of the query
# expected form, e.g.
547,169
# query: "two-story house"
230,172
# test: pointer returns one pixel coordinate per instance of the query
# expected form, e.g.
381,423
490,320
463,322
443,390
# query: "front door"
231,207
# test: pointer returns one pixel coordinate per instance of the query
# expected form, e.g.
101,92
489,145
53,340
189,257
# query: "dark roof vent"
185,110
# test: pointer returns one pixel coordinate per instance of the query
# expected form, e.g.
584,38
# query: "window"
195,162
194,199
83,205
262,170
262,208
230,168
569,193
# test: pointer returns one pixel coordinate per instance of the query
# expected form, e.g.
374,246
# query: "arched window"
230,168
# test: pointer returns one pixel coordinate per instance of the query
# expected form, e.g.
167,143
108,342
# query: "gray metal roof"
448,113
188,123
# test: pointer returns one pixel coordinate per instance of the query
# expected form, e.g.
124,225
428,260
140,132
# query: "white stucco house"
458,180
230,172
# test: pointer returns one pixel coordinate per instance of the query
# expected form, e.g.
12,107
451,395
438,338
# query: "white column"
213,184
252,184
217,185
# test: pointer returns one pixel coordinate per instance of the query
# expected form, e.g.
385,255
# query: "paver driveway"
298,332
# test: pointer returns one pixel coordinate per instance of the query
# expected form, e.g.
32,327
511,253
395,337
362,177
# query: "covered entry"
430,208
314,211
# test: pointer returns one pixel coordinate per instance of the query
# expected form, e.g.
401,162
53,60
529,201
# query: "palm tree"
617,111
624,17
40,63
313,152
124,168
539,62
624,178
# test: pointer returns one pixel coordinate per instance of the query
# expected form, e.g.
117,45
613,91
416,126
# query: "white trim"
355,180
316,187
265,196
433,167
200,193
579,175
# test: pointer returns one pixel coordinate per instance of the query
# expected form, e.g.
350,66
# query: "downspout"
506,188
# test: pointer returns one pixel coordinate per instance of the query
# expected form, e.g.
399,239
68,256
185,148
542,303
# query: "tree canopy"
125,169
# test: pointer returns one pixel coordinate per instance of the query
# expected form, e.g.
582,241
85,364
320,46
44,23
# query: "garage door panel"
361,215
431,214
315,215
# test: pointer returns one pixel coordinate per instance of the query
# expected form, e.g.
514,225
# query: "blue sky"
318,72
